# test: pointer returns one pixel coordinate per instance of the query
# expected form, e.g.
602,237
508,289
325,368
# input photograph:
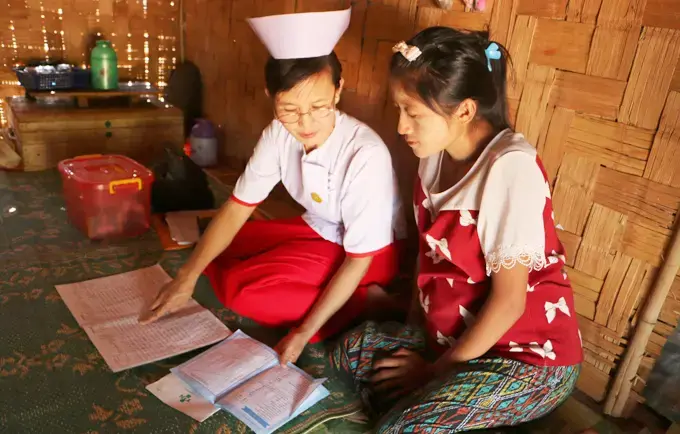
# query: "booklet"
108,308
244,377
172,391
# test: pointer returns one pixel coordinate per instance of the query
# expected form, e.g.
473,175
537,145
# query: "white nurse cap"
302,35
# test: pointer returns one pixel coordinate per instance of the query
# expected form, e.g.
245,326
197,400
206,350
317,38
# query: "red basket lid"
103,169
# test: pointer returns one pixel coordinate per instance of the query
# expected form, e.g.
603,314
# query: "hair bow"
492,52
410,52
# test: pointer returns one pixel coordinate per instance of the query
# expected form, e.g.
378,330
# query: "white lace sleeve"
510,224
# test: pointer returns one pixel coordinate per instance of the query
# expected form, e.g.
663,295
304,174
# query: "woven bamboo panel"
595,87
144,33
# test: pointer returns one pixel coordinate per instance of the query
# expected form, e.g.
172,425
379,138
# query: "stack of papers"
242,376
108,309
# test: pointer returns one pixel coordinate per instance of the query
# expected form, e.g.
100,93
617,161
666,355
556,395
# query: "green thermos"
104,66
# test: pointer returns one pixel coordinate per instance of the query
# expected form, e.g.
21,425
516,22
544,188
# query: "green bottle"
104,66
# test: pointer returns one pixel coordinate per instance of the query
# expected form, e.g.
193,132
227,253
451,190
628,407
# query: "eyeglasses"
292,117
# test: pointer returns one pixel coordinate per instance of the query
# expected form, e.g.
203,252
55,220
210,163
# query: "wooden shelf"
83,97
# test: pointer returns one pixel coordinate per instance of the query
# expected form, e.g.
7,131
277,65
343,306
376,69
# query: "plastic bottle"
203,143
104,65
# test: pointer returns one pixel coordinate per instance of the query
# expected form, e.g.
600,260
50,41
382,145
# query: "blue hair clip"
492,52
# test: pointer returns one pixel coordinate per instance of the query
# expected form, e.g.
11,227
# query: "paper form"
226,365
271,398
126,344
114,297
108,309
172,391
183,227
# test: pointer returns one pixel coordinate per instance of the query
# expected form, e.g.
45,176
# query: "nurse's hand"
172,297
290,347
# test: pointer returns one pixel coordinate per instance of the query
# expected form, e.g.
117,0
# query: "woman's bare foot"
382,306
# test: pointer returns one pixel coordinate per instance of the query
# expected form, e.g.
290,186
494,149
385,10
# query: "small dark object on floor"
180,185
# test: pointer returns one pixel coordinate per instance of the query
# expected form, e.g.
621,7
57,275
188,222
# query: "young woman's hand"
402,373
290,347
172,297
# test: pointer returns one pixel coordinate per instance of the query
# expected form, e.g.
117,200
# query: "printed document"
172,391
108,309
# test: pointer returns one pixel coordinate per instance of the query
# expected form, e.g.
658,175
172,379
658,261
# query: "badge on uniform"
316,198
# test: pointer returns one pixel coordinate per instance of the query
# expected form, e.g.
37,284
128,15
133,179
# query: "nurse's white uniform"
274,271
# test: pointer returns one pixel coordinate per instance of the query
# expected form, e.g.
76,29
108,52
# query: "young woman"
314,273
499,343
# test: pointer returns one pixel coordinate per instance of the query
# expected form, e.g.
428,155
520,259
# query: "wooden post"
623,382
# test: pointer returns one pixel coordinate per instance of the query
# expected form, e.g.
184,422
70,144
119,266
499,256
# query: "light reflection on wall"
144,34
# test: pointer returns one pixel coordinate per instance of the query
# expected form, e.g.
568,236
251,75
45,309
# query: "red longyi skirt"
274,271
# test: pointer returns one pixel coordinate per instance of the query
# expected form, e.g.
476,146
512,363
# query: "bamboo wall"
144,33
595,88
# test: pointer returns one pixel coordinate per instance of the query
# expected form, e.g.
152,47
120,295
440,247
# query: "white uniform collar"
324,154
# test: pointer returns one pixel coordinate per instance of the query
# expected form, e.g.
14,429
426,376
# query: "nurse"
315,274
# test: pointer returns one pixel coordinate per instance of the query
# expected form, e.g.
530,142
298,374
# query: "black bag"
179,185
185,91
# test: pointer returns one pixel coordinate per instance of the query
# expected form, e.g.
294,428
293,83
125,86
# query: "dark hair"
283,74
452,67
